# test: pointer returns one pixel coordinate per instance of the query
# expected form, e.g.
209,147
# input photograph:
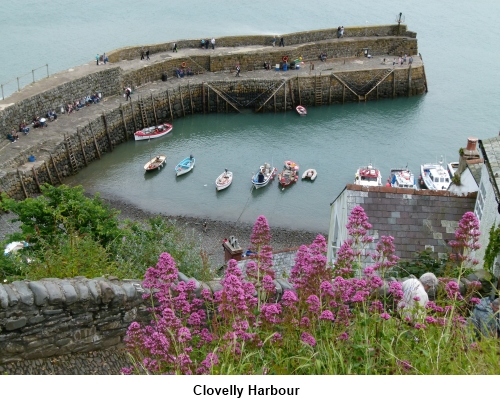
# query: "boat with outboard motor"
265,174
153,132
368,176
185,166
156,163
224,180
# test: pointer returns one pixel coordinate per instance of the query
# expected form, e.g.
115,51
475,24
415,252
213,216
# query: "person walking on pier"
127,93
97,59
147,54
410,60
238,70
274,41
282,42
213,43
175,47
142,54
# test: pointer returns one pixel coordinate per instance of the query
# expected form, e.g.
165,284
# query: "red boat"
153,132
287,177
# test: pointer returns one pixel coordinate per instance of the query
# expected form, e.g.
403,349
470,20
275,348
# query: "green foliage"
62,210
141,245
456,179
71,234
493,248
72,256
424,262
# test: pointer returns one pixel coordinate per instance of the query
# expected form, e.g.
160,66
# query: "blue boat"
185,166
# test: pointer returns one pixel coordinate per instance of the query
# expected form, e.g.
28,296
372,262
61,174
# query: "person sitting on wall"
322,56
96,98
88,101
76,105
69,108
24,128
189,72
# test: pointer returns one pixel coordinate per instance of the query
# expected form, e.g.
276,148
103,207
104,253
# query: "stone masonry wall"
264,40
90,141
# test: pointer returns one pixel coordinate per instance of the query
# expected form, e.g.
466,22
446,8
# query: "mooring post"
203,95
170,107
55,168
182,101
409,81
394,84
48,173
154,108
22,183
298,86
95,141
81,144
36,179
107,132
343,94
123,121
191,99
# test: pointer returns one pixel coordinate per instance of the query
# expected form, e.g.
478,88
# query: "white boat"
368,176
291,165
301,110
152,132
185,166
310,174
224,180
156,163
434,176
402,178
265,174
452,168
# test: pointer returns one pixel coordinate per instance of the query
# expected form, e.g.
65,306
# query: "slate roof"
417,219
475,167
283,262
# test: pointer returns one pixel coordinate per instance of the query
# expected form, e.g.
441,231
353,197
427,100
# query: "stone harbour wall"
134,52
101,135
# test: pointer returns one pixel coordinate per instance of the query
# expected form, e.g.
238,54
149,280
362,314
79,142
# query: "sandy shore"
210,238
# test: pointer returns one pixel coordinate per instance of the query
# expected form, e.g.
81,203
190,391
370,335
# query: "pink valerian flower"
210,361
344,260
358,225
314,303
183,335
396,289
453,290
475,301
327,316
271,313
376,306
311,268
420,326
466,240
268,285
305,322
263,256
384,257
289,298
416,298
385,316
430,319
276,338
308,339
405,365
343,336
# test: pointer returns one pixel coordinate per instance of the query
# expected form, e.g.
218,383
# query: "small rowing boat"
264,176
152,132
185,166
156,163
310,174
301,110
224,180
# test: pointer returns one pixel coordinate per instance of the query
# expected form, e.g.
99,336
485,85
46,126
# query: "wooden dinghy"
156,163
224,180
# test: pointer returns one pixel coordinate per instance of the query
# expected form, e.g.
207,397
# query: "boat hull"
224,181
151,133
301,110
269,174
156,163
287,177
310,174
185,166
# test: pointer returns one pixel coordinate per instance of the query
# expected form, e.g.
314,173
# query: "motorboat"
156,163
301,110
153,132
185,166
309,174
402,178
368,176
265,174
291,165
287,177
224,180
434,176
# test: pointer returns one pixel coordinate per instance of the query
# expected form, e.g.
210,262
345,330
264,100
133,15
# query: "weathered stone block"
13,295
25,294
70,295
55,293
4,297
13,324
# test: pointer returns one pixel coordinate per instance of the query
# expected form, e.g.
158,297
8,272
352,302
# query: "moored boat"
153,132
224,180
185,166
287,177
368,176
291,165
156,163
434,176
310,174
301,110
265,174
402,178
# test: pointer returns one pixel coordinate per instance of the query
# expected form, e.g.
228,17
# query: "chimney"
471,151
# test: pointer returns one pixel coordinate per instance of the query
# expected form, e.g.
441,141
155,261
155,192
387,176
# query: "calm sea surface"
458,41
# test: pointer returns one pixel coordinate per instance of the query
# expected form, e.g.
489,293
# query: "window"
481,197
